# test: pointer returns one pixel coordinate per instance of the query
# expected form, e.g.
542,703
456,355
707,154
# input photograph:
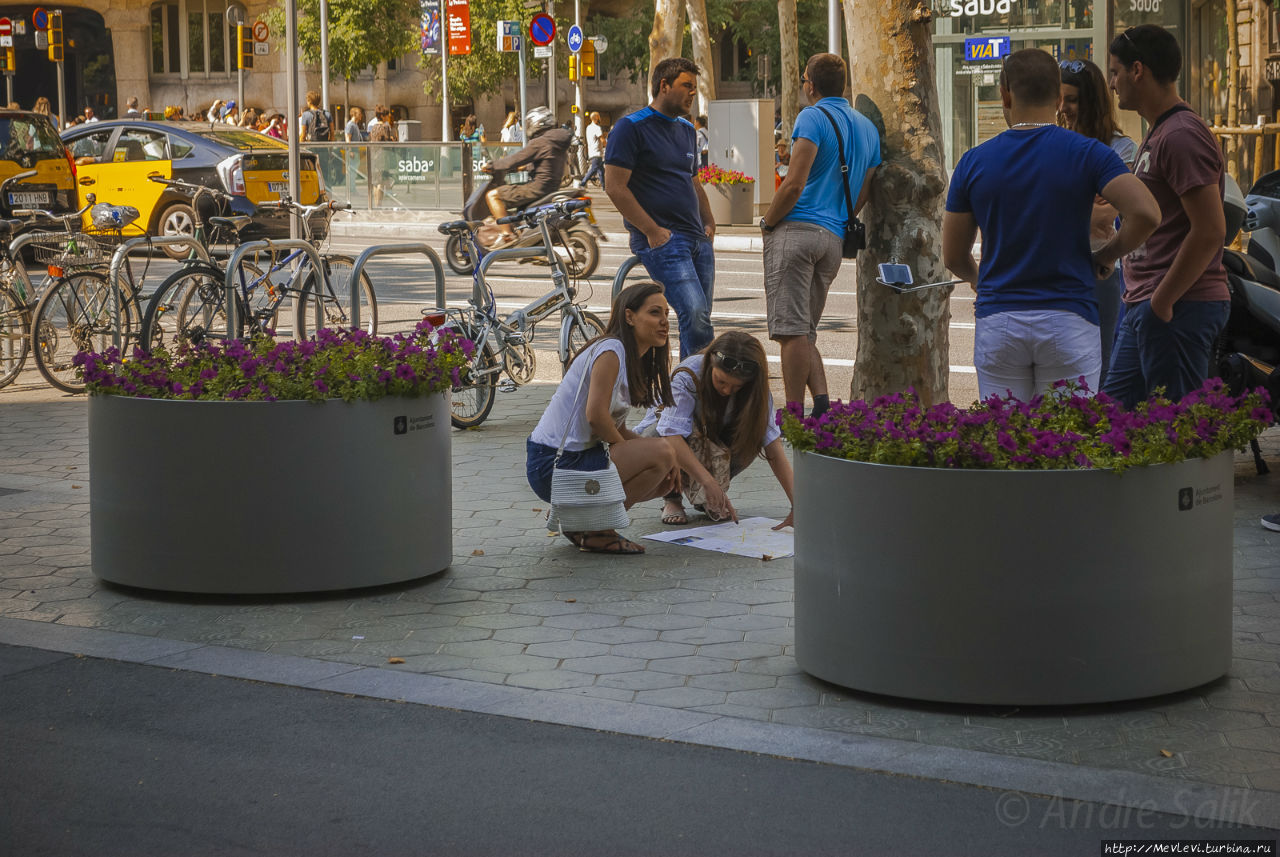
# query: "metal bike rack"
394,250
253,247
620,278
498,255
117,262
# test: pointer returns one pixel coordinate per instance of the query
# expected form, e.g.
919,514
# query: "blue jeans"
686,268
1109,294
595,169
1150,353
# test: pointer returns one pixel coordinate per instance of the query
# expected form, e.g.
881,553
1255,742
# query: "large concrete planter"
269,497
732,203
1013,587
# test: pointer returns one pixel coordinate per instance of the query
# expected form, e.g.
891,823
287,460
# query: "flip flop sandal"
616,544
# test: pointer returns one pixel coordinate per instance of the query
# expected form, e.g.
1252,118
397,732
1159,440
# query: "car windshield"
22,136
239,138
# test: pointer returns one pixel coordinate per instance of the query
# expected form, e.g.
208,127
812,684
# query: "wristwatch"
765,227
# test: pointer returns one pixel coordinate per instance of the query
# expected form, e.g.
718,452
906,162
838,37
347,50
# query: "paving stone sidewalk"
679,629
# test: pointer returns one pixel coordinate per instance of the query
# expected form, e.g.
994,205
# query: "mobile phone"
895,274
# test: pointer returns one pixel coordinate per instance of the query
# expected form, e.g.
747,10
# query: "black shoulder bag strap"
855,234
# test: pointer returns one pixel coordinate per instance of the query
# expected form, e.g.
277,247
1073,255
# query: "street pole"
833,27
291,100
8,87
520,100
62,89
324,55
444,84
551,66
233,16
577,87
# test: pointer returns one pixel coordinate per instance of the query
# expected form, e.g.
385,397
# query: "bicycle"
76,306
191,303
510,340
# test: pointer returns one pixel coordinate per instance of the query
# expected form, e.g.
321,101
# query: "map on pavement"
753,537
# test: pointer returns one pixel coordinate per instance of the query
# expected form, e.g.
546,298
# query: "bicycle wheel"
335,303
581,334
76,315
471,402
15,330
458,255
188,305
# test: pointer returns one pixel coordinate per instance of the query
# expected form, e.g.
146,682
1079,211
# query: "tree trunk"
702,53
790,60
664,38
1233,88
902,339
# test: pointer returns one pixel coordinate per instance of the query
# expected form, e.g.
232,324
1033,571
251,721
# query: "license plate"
38,198
278,187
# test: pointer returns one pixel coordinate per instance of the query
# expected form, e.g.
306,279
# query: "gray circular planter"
1013,587
269,497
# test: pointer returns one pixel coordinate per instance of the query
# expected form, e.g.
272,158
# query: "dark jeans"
1150,353
1109,294
541,460
595,169
686,268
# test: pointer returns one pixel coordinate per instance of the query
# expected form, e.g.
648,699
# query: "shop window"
192,37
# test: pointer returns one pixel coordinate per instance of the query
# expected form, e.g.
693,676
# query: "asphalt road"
106,758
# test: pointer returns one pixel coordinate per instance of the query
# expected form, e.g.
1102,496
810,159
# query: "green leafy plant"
349,365
1066,429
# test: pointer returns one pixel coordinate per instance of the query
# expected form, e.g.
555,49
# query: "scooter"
581,239
1247,354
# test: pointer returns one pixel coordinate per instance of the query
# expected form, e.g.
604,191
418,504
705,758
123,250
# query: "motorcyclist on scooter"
546,152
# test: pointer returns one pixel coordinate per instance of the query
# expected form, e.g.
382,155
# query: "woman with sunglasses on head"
722,417
625,367
1087,109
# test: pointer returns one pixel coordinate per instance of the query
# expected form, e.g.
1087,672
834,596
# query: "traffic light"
244,38
587,59
7,61
573,66
55,36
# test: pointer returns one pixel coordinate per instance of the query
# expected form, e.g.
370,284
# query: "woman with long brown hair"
625,367
1088,109
721,419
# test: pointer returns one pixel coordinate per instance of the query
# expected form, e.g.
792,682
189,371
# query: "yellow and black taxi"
114,160
29,141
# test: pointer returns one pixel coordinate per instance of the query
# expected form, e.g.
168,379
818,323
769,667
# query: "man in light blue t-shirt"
1031,190
804,227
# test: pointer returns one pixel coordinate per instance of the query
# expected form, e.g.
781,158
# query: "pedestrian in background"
352,133
1087,109
471,131
132,111
1175,286
804,227
704,140
1031,191
595,151
512,132
650,164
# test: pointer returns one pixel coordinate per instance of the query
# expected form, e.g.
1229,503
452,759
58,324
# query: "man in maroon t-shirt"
1176,294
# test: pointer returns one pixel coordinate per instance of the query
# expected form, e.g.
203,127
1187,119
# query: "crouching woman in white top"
626,367
721,419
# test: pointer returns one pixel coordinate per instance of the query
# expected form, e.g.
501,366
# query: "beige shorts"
800,262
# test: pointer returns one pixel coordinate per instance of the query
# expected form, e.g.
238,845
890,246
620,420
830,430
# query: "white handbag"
585,500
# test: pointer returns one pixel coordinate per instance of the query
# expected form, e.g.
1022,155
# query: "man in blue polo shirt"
1031,191
649,167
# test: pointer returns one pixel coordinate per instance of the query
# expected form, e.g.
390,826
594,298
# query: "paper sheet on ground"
752,537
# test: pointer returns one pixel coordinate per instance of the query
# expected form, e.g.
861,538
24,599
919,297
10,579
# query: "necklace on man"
1031,124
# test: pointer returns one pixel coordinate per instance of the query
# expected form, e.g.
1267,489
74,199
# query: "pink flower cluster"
715,175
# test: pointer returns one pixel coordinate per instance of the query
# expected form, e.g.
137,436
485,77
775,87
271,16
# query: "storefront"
971,38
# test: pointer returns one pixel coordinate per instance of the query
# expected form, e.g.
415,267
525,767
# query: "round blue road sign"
542,29
575,38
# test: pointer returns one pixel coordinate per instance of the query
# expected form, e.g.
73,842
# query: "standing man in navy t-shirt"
1031,191
649,166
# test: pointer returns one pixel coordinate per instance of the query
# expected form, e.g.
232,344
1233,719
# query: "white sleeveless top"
564,413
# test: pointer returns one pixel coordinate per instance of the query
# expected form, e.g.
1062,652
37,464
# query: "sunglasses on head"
735,365
1072,66
1133,45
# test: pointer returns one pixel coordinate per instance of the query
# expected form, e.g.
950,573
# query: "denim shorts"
541,461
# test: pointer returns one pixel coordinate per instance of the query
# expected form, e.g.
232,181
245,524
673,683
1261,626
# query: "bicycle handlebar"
90,199
306,210
17,177
194,189
542,212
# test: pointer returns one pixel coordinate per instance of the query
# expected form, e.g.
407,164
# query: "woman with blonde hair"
511,130
721,419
